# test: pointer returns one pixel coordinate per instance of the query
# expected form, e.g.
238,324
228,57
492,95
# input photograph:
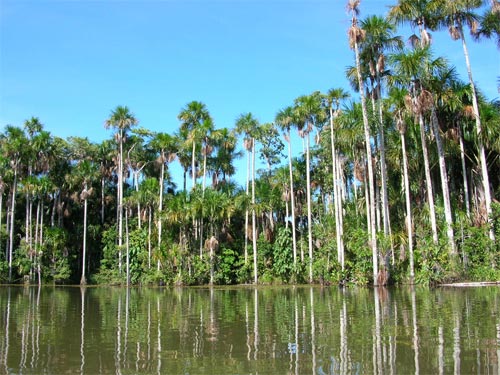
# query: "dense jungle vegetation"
398,186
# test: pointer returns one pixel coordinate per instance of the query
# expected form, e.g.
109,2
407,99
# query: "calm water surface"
293,330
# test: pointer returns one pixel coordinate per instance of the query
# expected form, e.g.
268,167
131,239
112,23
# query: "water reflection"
248,330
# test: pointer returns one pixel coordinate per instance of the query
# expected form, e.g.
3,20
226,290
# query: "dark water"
302,330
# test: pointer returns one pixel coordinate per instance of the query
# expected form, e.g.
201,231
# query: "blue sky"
70,62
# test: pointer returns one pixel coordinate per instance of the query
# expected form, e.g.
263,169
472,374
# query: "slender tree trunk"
464,173
149,237
12,216
482,152
383,177
409,225
309,208
340,255
83,280
127,247
193,166
40,248
444,182
160,209
136,183
246,209
371,179
120,204
428,180
254,229
292,200
102,199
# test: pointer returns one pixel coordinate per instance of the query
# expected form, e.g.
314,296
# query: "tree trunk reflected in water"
248,330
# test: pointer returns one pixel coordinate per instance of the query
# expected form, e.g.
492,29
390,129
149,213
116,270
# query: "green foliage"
283,254
226,270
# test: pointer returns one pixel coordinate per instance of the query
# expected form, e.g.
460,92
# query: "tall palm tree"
285,119
166,146
222,163
407,68
120,119
14,143
379,38
334,97
192,116
248,125
309,114
417,13
356,35
455,14
400,114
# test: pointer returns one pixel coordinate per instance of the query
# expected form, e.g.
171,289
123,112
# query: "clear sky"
70,62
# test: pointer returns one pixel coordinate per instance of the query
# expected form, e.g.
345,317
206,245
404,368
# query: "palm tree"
418,13
14,142
122,120
167,147
192,116
334,97
399,110
356,35
222,164
309,114
285,118
454,14
407,68
248,125
379,38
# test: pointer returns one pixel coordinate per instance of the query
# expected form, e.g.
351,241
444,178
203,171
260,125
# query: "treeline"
398,186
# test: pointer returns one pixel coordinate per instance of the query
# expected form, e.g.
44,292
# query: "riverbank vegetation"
398,186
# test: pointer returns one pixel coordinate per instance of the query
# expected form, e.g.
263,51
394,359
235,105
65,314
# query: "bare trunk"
444,182
160,209
83,280
464,173
428,180
309,208
127,247
193,166
340,253
11,226
246,210
254,229
292,201
482,152
149,237
120,204
409,225
371,179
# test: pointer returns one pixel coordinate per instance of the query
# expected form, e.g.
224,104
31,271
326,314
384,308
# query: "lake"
246,330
